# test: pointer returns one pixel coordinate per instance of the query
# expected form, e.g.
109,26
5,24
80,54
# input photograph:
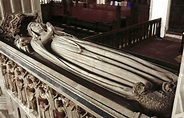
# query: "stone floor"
165,49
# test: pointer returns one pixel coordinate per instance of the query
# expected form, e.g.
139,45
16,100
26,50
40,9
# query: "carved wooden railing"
128,36
41,92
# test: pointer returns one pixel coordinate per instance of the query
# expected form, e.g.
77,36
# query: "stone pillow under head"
11,24
15,24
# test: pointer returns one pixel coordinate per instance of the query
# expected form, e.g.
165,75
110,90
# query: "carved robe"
105,67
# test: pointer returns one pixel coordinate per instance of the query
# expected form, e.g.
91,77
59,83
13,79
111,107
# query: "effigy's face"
36,27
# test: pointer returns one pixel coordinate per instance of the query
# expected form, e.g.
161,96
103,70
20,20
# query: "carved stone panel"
41,99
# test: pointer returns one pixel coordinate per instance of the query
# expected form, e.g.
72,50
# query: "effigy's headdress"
31,32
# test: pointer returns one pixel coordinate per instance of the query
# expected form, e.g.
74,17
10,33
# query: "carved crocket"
157,102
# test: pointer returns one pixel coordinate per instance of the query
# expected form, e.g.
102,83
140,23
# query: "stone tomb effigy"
57,75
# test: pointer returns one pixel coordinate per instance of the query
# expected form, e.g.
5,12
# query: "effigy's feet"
158,102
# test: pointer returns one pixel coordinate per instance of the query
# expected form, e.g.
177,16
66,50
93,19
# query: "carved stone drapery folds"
41,99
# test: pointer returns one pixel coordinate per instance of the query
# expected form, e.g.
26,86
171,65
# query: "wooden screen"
139,11
176,21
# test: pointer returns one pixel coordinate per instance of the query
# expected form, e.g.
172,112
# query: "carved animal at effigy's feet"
159,102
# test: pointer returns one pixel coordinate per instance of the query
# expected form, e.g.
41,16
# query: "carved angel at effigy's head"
23,43
116,71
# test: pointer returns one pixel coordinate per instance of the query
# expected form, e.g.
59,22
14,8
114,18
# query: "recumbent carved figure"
121,73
